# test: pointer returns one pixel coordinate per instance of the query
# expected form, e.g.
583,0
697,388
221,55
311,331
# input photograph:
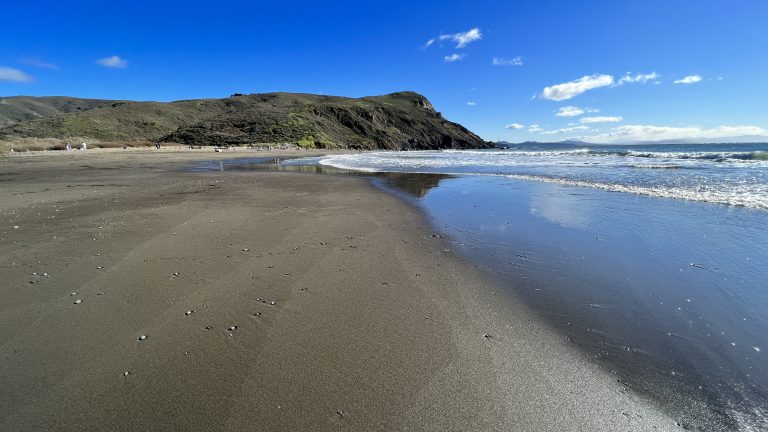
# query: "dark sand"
374,326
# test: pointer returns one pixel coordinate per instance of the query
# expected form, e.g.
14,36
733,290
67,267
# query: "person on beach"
68,147
157,145
83,146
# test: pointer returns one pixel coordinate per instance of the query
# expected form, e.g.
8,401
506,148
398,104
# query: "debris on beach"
340,413
125,373
245,249
142,337
188,313
487,336
78,301
232,328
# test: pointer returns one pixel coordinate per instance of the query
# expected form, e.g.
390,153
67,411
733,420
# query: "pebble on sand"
142,337
188,313
232,328
78,301
125,373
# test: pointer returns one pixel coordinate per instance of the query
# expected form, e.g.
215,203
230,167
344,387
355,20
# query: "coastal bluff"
396,121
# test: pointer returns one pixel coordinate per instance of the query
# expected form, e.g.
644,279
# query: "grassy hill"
24,108
404,120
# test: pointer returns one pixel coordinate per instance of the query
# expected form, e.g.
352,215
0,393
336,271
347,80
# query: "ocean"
650,259
733,174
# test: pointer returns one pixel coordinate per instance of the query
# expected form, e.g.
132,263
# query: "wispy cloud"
429,43
569,111
470,103
516,61
638,78
640,133
607,119
690,79
514,126
113,62
535,128
453,57
36,62
565,130
463,39
565,91
15,75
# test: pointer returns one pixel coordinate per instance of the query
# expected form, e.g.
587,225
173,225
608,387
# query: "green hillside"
404,120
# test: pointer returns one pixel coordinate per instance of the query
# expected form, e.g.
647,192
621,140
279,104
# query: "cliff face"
404,120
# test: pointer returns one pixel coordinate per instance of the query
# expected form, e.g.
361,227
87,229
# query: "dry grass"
56,144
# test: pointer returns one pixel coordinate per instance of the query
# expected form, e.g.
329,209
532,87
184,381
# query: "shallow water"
668,294
727,174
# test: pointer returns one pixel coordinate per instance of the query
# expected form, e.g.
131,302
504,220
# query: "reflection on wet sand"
414,184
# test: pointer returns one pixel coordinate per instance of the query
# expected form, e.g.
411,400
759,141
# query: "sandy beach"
139,296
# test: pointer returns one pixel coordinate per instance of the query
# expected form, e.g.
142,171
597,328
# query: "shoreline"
374,325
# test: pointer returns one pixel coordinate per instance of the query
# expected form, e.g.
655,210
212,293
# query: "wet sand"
269,301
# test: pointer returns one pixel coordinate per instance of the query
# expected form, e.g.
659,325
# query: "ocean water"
651,260
732,174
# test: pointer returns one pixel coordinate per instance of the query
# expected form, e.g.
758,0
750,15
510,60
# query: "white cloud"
470,103
36,62
516,61
453,57
641,133
638,78
564,91
113,62
9,74
462,39
569,111
534,128
614,119
429,43
514,126
690,79
565,130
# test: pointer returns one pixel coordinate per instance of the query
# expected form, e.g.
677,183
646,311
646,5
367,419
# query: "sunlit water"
652,260
727,174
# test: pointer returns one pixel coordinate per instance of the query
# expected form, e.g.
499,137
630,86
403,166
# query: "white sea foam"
732,178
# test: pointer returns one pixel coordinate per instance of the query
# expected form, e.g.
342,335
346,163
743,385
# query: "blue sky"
553,57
